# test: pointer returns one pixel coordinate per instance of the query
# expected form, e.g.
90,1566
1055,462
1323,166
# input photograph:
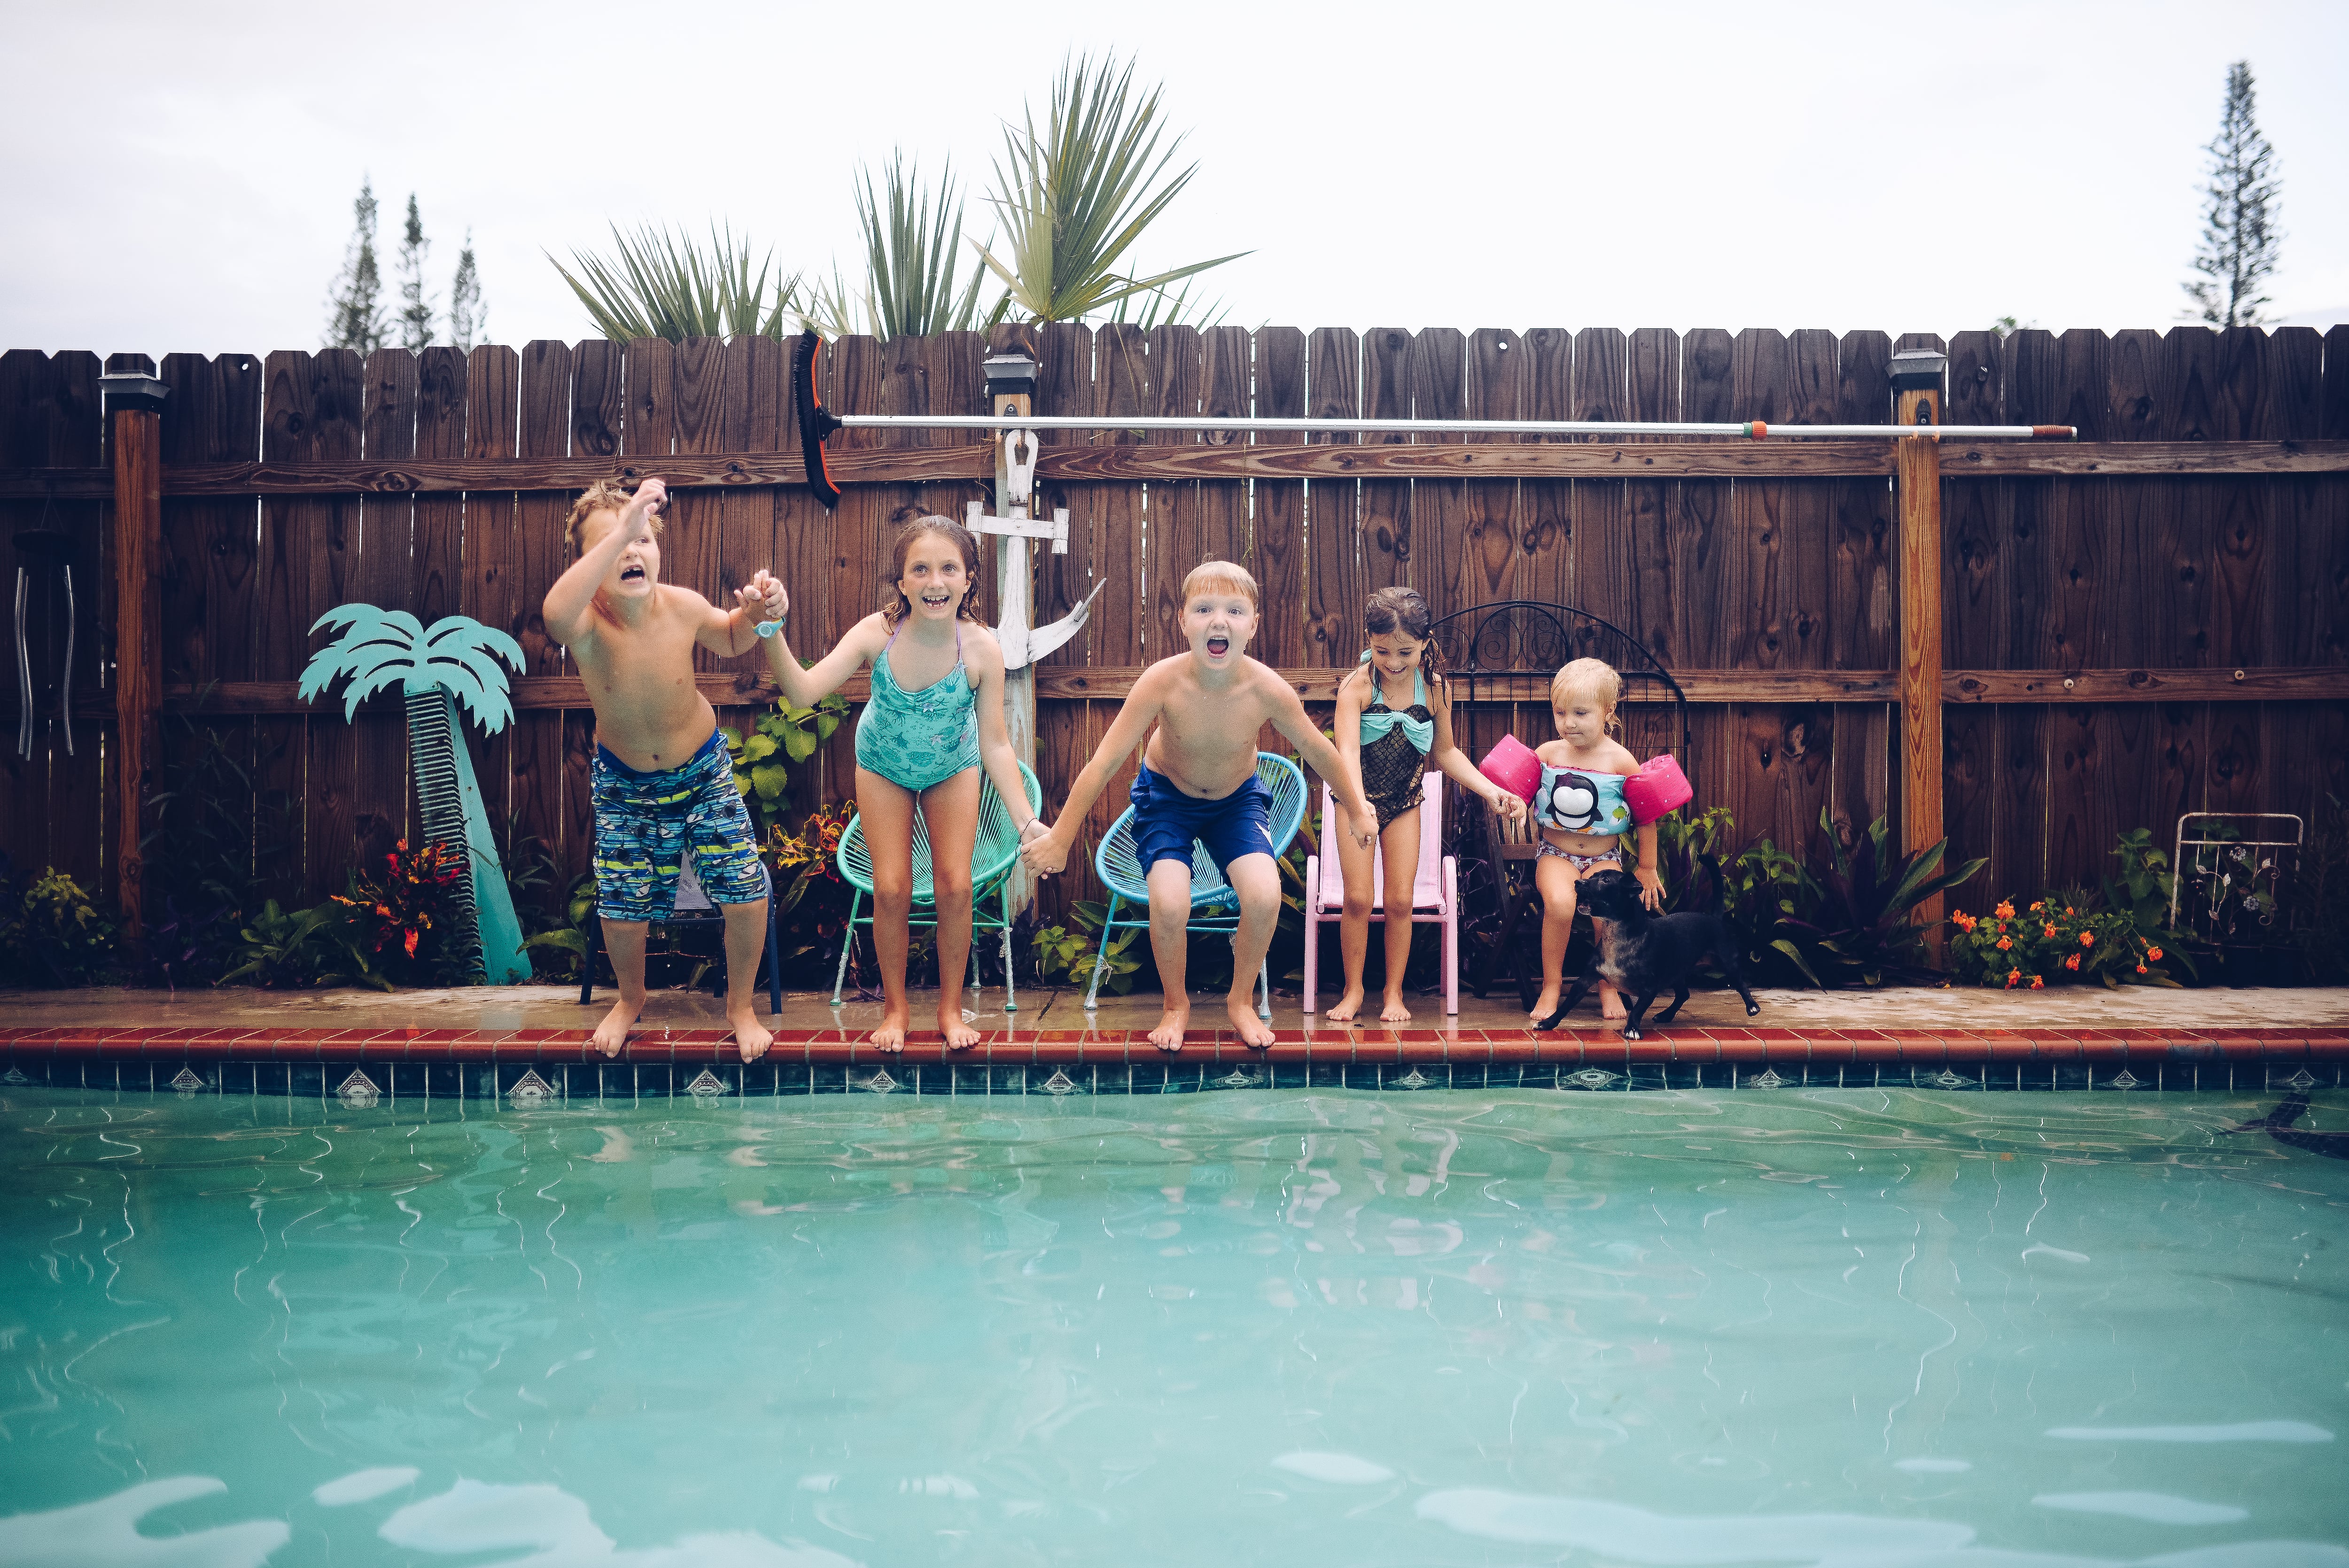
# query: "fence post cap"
131,383
1010,374
1915,369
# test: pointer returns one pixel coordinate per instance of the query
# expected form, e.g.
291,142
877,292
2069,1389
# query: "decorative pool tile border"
536,1066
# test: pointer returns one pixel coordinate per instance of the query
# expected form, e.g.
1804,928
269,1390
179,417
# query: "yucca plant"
663,285
1075,200
911,244
1862,931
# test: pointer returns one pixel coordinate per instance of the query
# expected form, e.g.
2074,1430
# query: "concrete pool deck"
482,1042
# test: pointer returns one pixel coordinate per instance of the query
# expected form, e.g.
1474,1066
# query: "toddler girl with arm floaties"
935,717
1583,819
1394,723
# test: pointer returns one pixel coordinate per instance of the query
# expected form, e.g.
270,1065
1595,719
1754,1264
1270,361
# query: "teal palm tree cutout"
454,661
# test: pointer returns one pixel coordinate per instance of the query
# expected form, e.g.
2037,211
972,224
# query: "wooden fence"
2153,620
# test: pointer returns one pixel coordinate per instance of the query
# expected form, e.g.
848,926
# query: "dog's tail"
1711,896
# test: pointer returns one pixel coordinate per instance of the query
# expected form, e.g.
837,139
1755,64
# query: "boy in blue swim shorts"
1198,781
662,781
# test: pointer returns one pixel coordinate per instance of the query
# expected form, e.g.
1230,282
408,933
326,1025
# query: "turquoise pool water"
1830,1326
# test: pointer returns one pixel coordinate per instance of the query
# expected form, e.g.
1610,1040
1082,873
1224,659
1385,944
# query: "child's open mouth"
632,574
1218,647
936,600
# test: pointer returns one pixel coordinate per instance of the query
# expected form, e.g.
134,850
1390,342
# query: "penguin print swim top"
1578,802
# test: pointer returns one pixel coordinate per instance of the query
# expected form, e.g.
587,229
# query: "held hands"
1651,889
764,601
1042,854
1506,806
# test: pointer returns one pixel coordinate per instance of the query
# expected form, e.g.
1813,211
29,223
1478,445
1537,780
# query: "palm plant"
662,285
455,661
1077,199
910,246
1862,931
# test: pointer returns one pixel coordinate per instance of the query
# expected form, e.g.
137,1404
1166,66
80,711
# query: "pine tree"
468,316
415,305
355,313
2240,239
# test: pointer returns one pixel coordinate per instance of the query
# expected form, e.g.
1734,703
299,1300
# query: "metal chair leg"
1263,989
1092,988
774,959
1010,985
840,977
594,945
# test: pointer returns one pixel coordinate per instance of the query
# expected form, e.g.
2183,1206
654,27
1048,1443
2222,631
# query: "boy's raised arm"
1047,854
1289,717
565,609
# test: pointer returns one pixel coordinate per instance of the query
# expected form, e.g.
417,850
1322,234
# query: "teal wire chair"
992,855
1214,905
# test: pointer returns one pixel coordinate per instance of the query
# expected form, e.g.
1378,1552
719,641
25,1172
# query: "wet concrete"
553,1006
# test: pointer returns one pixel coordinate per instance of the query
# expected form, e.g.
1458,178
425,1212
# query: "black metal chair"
1498,660
693,908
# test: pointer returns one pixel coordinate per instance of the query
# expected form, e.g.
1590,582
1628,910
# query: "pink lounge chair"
1435,892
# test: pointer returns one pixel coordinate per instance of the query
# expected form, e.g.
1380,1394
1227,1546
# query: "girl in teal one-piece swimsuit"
928,728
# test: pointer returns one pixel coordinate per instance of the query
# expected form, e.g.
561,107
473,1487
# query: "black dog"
1642,953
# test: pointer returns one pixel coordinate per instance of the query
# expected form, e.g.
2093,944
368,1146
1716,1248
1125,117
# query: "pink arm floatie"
1513,766
1658,789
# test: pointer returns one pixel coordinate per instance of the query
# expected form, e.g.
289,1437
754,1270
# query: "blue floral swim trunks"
647,822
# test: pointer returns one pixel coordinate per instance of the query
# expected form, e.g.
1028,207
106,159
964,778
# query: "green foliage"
1077,199
781,738
2058,937
355,317
2317,904
811,895
214,839
52,935
415,305
663,285
468,317
1071,956
911,250
304,949
2141,893
1752,892
1860,932
2240,238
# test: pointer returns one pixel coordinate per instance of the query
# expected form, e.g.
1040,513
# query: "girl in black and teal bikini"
934,719
1393,724
1583,819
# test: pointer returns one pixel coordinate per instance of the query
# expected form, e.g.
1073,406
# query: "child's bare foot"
961,1036
1610,1004
1394,1012
891,1035
752,1036
1168,1035
1544,1004
1347,1007
613,1032
1255,1033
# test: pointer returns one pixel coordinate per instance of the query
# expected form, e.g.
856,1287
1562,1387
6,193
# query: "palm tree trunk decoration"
456,660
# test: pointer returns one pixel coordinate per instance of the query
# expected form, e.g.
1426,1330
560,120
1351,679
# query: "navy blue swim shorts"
1165,821
647,822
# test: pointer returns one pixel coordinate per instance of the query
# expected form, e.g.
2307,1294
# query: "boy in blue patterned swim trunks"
1198,781
662,782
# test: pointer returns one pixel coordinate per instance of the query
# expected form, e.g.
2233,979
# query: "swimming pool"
1810,1325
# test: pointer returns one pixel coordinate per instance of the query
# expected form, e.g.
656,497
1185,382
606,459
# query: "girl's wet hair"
1593,678
896,606
1401,611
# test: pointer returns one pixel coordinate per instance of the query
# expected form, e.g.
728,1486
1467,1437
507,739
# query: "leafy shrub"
301,949
1751,893
408,920
2056,938
1861,932
51,934
781,738
1073,956
215,838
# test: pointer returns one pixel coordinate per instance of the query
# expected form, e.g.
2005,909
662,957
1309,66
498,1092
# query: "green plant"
52,935
1076,198
2058,937
1752,892
1862,932
781,739
303,948
214,839
663,285
811,895
2142,891
911,250
1071,956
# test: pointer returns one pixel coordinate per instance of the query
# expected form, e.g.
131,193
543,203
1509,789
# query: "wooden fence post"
1916,377
1011,390
133,399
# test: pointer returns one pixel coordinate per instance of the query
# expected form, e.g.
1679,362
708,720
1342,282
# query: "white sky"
179,177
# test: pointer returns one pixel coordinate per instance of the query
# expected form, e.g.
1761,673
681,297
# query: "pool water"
1830,1326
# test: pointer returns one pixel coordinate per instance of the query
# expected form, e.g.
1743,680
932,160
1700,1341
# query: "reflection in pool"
1831,1326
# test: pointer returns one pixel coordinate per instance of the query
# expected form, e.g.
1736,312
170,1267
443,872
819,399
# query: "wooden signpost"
1916,377
134,408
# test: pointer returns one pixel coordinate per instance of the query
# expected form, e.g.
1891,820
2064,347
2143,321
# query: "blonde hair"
1220,574
604,495
1593,679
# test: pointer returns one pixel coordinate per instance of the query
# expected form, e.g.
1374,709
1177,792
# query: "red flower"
410,944
2048,931
2087,939
2006,909
2004,943
2039,983
2012,975
2141,968
2040,905
2072,963
2154,954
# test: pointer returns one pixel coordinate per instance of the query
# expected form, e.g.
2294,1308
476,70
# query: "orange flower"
2072,963
2048,931
2040,905
2154,954
410,945
2067,912
2012,975
2141,968
2039,983
2006,909
2087,939
2004,943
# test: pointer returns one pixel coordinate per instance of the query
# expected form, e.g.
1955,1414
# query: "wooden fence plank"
1548,545
384,576
2079,543
1335,583
1387,538
1602,554
536,819
1124,382
490,591
1437,366
1860,602
1178,537
25,384
1277,541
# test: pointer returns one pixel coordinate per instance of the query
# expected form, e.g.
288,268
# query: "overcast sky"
179,177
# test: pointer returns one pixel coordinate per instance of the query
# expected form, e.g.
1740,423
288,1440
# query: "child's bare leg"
1353,926
1170,915
623,940
1556,879
950,812
888,813
746,938
1258,881
1400,845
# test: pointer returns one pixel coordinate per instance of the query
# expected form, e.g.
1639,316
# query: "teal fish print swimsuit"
918,738
647,822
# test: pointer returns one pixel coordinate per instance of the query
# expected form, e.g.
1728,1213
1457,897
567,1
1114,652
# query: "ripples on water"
1828,1326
